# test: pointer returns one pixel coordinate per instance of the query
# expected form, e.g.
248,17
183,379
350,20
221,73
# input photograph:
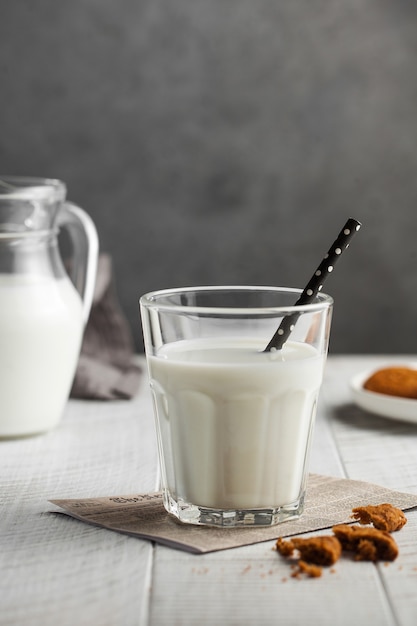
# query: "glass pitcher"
42,310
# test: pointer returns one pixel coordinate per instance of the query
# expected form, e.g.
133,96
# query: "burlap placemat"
329,502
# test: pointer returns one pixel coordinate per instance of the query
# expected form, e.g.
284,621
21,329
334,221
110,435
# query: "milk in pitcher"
40,336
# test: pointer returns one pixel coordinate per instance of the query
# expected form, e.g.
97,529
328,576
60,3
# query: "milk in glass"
235,422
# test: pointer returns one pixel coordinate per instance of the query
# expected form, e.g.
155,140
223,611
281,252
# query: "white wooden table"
56,570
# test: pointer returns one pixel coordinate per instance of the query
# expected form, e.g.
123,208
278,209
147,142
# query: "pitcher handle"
84,240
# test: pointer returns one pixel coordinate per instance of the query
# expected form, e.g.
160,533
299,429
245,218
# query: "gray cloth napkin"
106,368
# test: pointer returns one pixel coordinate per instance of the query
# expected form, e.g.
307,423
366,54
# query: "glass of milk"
42,310
234,422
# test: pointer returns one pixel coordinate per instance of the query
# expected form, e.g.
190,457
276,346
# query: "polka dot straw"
315,283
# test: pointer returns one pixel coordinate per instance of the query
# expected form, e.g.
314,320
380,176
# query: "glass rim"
150,300
13,187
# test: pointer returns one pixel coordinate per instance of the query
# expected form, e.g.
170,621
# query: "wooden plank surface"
55,570
253,585
382,451
59,570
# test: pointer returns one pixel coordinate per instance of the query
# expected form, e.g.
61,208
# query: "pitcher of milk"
42,311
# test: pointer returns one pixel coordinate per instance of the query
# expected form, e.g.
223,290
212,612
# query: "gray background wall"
226,141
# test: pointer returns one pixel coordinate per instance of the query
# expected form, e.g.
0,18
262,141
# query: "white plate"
381,404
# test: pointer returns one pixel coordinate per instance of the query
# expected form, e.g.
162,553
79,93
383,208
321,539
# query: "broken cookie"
367,544
324,550
383,516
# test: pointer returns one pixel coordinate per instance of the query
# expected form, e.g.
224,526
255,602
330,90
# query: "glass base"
231,518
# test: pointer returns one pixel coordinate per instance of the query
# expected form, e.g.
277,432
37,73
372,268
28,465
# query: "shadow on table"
352,415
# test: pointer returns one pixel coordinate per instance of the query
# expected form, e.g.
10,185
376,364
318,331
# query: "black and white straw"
315,283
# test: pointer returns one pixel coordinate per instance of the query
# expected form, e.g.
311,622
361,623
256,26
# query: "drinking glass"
234,421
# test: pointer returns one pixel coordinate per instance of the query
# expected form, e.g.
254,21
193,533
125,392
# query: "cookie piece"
313,571
382,516
324,550
394,381
367,543
285,548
